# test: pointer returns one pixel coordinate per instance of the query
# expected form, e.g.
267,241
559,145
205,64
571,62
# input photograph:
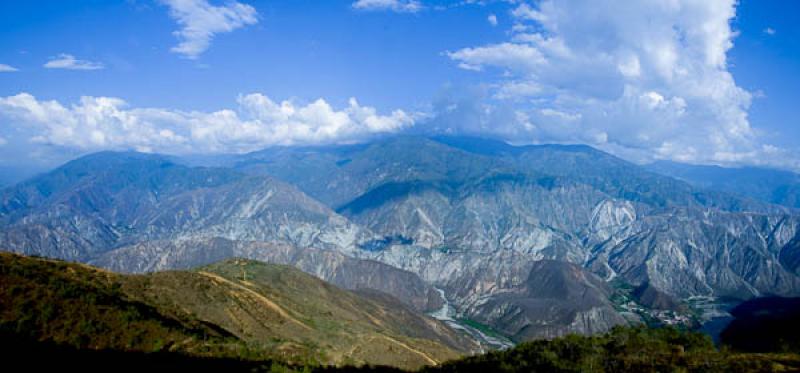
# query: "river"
447,314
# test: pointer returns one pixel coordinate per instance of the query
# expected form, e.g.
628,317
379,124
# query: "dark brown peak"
651,297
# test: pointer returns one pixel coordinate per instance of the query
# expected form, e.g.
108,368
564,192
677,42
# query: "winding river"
447,314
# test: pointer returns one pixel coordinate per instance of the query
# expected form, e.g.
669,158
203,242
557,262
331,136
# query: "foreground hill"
236,308
765,324
623,350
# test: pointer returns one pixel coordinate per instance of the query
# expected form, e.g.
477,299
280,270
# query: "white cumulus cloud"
200,21
492,19
96,123
69,62
7,69
647,78
400,6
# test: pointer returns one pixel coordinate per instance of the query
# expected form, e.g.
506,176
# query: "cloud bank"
646,79
200,21
98,123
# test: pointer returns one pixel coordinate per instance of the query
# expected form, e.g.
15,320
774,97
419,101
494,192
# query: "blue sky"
710,83
304,49
770,64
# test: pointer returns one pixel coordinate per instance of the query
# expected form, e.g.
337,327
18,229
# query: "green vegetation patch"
624,349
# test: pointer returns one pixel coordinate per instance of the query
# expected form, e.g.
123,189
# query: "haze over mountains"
530,241
774,186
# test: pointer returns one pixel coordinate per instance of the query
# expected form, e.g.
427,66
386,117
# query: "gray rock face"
570,203
790,255
688,252
497,212
109,200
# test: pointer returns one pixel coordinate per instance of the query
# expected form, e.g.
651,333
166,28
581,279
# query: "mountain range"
522,241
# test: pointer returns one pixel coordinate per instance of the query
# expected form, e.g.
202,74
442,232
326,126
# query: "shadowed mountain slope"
555,295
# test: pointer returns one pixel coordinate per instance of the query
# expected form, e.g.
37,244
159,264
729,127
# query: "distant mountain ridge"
768,185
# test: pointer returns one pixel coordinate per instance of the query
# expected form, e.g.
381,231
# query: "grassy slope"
83,307
281,309
235,308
